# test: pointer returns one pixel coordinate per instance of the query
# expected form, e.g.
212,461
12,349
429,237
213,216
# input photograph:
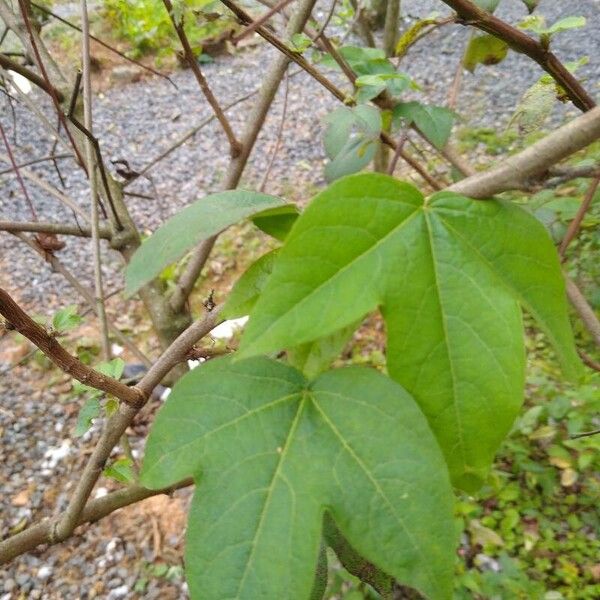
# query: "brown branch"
255,122
472,15
584,310
195,67
94,510
50,88
17,172
516,171
35,161
575,224
260,21
589,361
104,44
55,228
11,65
85,293
18,319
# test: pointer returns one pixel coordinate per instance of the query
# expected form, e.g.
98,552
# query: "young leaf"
120,470
434,122
531,4
351,139
87,413
278,221
447,274
489,5
198,221
484,50
66,319
271,452
535,106
248,287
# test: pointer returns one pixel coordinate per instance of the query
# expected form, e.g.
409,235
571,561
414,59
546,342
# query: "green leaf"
535,107
113,368
271,452
312,358
351,138
447,274
566,24
489,5
120,470
434,122
531,4
87,413
66,319
484,50
537,24
198,221
248,287
300,42
278,221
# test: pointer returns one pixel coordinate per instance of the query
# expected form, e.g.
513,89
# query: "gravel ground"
40,460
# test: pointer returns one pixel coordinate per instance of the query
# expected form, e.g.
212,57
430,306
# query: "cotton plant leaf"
278,221
198,221
448,275
271,452
535,106
248,287
434,122
484,49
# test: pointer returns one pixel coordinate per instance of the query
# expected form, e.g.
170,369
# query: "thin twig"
517,170
95,510
62,197
575,224
17,173
84,292
518,40
54,228
260,21
267,174
584,310
18,319
50,88
11,65
36,161
90,160
254,125
188,53
103,43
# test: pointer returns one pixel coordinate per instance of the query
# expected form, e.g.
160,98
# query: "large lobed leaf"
448,274
271,452
196,222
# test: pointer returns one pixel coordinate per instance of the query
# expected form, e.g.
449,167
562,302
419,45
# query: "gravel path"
137,122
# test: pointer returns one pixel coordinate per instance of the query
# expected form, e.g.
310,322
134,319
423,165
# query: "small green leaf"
484,50
351,139
66,319
300,42
489,5
87,413
249,286
198,221
278,221
531,4
312,358
434,122
566,24
120,470
271,452
535,107
448,274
